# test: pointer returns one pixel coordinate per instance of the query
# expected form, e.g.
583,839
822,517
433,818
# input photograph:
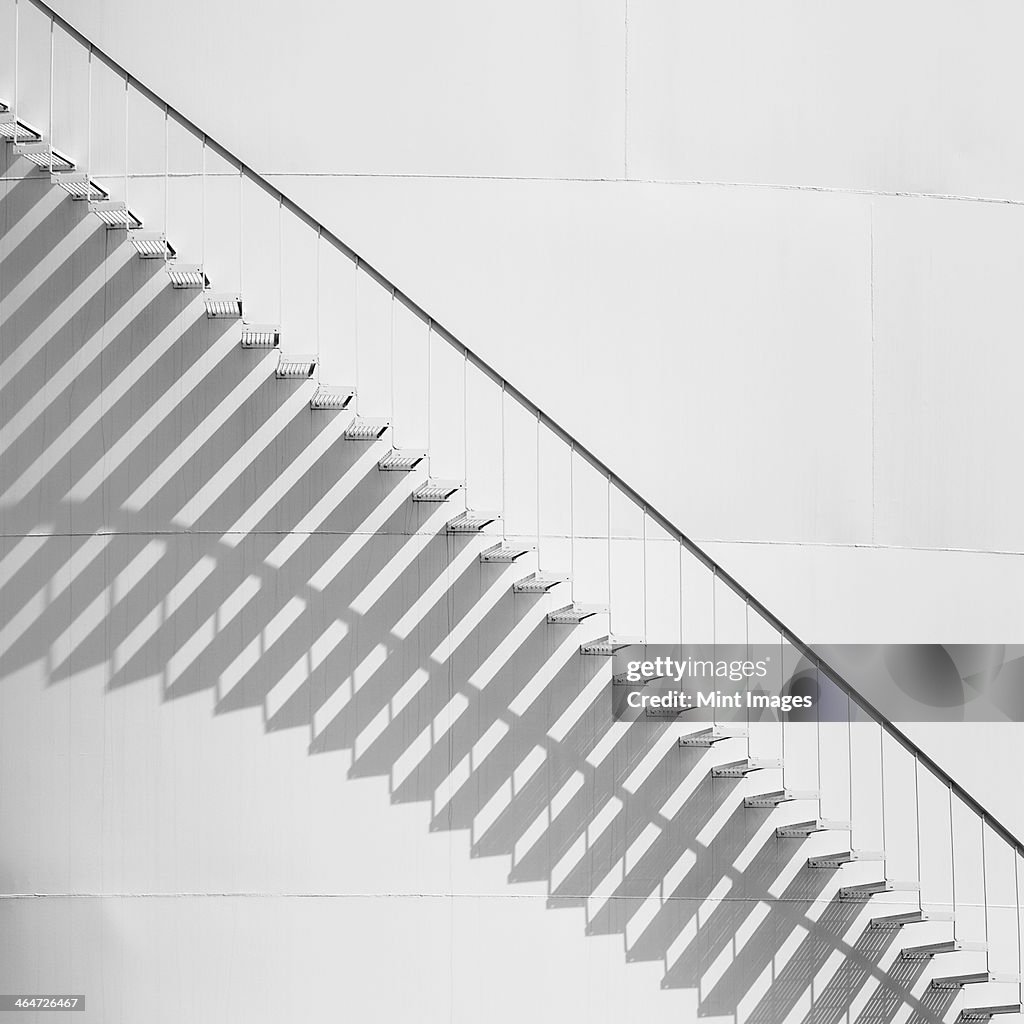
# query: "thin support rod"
682,627
504,457
952,862
88,114
317,300
849,762
241,243
782,717
817,724
355,343
1016,907
430,392
572,522
610,630
17,56
280,265
49,118
391,369
643,564
746,631
881,781
537,453
714,635
465,425
127,92
167,179
917,827
984,879
714,609
202,187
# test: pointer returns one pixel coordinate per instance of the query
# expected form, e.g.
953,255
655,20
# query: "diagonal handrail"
670,527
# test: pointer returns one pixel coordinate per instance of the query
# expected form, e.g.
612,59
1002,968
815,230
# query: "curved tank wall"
683,232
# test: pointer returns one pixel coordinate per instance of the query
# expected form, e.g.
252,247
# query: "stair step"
780,796
622,679
223,305
45,157
401,460
931,949
506,552
709,737
606,646
743,767
11,126
152,245
187,275
296,366
366,429
332,397
974,1013
260,336
80,186
804,829
538,583
837,860
437,490
894,922
575,613
115,214
472,521
866,890
957,981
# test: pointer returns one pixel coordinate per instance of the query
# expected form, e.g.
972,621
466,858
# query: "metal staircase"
925,927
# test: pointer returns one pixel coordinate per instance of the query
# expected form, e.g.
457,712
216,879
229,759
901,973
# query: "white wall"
265,727
801,225
573,166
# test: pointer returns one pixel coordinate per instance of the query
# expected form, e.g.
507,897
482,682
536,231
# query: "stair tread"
505,553
260,335
297,364
44,156
79,185
472,521
709,737
930,949
11,126
402,459
436,489
803,829
780,796
984,1012
976,978
896,921
576,612
744,766
605,646
539,582
845,857
365,428
115,213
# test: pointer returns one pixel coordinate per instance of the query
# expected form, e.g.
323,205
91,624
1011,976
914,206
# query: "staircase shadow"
228,547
